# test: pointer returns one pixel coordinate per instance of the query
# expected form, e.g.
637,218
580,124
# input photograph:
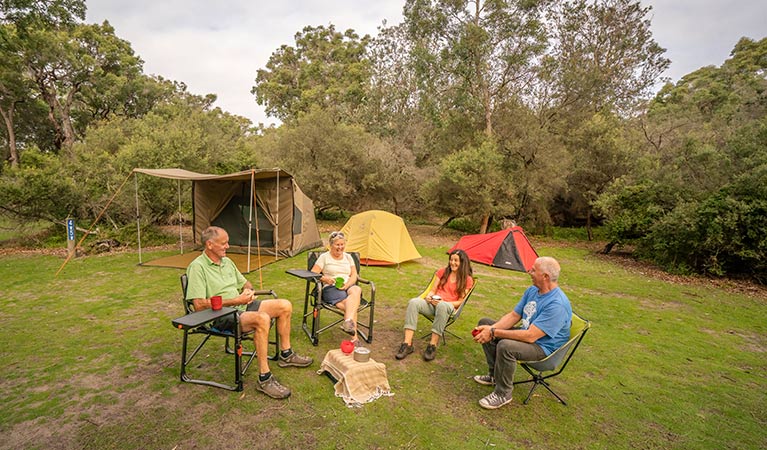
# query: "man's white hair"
550,266
210,233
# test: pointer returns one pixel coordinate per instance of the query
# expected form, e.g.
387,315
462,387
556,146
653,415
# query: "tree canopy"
538,111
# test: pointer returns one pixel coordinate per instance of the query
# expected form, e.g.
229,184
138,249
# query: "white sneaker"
494,401
487,380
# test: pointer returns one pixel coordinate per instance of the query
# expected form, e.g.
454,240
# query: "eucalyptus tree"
51,13
469,58
604,55
342,165
698,201
470,55
14,88
602,64
326,69
16,18
66,62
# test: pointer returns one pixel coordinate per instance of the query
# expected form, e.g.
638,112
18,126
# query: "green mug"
339,282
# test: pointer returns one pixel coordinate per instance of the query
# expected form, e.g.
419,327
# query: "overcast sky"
217,46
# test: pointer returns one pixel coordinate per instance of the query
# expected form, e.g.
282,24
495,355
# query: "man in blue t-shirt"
543,314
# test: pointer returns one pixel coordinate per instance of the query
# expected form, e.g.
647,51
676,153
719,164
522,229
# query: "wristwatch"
492,332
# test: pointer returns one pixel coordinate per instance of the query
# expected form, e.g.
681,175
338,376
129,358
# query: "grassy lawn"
90,360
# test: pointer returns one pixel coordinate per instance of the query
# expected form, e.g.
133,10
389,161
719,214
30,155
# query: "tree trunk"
445,224
488,112
66,119
50,99
588,225
485,224
13,156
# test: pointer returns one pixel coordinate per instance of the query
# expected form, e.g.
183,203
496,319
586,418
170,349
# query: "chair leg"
185,361
366,336
538,380
546,385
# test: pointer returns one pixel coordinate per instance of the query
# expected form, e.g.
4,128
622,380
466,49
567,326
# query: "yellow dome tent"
381,238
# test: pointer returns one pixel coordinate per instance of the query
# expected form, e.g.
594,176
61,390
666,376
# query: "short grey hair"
336,235
550,266
210,233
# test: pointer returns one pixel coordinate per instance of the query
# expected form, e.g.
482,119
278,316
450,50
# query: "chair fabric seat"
456,313
313,304
556,361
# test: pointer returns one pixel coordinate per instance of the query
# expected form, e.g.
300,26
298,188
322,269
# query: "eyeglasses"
337,234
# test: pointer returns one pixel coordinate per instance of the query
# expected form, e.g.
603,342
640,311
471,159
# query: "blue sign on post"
70,229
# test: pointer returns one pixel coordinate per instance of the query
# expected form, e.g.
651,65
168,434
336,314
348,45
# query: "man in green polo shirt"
212,273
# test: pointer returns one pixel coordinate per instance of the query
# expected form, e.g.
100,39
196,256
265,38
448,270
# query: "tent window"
297,221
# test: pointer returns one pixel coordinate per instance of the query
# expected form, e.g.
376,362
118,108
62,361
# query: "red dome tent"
507,249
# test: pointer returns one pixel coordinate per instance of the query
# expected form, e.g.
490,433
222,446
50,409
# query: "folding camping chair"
195,322
313,304
456,314
556,361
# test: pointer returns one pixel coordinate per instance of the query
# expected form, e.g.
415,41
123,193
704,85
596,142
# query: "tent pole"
258,234
250,215
85,235
277,220
180,233
138,222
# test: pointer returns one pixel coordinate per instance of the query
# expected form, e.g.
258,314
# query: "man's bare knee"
255,320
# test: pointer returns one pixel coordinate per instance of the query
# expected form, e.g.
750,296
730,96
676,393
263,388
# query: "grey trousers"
440,313
502,356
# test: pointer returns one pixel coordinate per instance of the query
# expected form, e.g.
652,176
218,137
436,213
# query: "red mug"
347,347
475,331
216,302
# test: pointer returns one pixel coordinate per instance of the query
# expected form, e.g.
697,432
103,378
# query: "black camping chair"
456,314
556,362
313,304
199,322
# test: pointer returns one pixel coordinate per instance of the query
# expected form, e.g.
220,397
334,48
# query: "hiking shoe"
494,401
487,380
348,326
273,388
294,360
403,351
430,352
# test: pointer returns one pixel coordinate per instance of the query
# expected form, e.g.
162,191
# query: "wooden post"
70,235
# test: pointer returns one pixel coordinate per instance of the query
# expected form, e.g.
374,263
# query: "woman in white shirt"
337,264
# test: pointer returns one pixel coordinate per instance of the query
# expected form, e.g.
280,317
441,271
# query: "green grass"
90,360
11,230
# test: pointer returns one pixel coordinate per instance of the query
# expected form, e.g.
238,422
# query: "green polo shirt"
207,279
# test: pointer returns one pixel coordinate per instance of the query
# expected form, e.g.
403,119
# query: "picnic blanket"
357,383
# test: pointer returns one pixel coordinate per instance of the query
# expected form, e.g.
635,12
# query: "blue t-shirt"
550,312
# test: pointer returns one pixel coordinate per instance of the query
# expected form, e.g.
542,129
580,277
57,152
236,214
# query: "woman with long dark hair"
442,300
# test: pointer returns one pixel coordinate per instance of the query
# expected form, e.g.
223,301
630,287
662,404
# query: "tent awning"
181,174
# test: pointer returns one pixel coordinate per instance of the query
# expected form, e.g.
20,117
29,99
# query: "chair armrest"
305,274
266,292
372,287
198,318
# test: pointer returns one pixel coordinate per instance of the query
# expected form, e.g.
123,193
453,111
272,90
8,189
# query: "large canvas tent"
264,211
507,249
380,237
